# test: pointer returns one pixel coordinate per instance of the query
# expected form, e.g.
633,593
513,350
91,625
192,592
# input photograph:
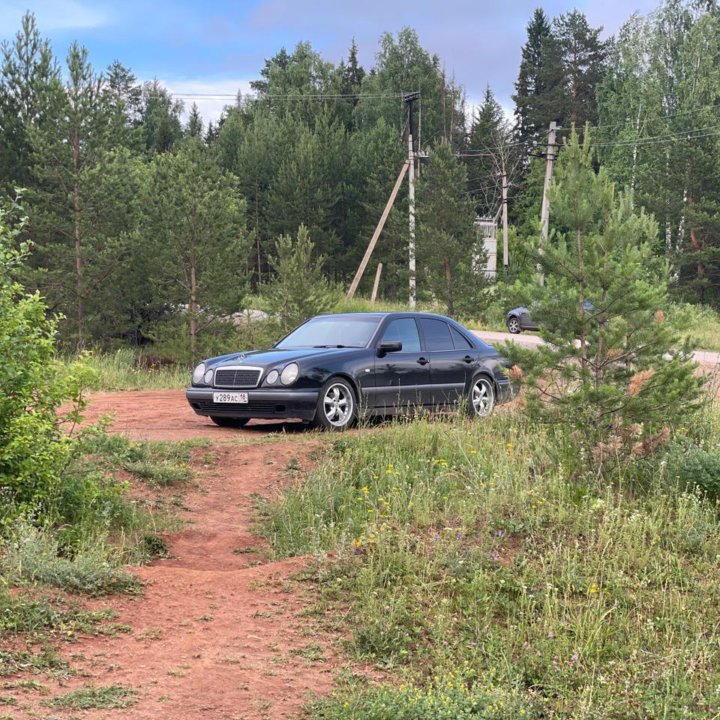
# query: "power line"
302,96
714,106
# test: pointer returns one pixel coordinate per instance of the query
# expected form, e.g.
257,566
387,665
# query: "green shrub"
450,542
448,698
695,467
300,288
33,448
107,697
34,555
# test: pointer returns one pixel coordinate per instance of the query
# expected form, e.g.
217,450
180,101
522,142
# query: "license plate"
228,397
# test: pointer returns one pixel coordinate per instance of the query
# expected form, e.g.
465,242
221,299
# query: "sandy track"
218,631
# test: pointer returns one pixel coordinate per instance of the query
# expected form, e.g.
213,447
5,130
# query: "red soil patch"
218,631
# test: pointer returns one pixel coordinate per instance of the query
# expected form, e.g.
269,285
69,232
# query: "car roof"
394,313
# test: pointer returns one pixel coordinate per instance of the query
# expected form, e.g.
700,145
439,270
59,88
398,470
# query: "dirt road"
218,632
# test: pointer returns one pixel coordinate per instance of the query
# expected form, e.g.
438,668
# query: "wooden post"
376,234
545,212
506,250
411,222
376,284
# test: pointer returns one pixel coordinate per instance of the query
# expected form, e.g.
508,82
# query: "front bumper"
273,404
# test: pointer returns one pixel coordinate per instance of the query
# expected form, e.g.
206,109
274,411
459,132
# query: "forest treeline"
145,222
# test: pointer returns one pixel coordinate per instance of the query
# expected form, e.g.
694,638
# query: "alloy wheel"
338,405
482,397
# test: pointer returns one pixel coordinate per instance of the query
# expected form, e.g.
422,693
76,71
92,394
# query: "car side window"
403,330
437,334
460,341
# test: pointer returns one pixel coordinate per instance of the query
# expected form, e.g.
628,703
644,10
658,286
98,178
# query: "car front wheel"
336,408
229,422
513,325
481,400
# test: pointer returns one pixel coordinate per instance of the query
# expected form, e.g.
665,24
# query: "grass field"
490,584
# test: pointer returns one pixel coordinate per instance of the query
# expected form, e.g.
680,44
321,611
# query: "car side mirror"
386,347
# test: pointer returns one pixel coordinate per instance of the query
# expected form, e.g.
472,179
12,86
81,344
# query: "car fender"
483,372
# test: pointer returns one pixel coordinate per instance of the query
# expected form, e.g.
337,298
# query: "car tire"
481,398
513,325
337,405
229,422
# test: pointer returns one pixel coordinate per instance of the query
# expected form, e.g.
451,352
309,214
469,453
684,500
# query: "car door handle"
468,359
422,361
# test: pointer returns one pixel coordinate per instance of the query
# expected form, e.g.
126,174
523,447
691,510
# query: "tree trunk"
257,239
581,300
697,245
77,234
193,309
448,278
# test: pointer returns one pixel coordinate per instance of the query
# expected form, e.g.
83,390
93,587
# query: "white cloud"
211,96
52,15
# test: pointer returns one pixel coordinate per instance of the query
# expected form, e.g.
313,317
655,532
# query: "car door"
402,378
449,364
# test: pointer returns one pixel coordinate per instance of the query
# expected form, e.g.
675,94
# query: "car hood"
275,357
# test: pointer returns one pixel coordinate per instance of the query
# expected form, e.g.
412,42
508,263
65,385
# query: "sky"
216,48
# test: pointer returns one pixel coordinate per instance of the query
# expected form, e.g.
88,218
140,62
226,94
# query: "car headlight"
272,377
208,377
198,373
289,374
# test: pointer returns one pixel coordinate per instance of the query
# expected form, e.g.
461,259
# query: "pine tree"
195,123
529,84
160,118
195,228
300,288
584,58
64,146
603,371
448,251
488,136
28,75
124,97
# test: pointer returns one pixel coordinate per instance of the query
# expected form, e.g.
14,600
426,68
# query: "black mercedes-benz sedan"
333,369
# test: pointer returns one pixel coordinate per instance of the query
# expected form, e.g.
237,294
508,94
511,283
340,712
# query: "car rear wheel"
336,409
513,325
229,422
481,400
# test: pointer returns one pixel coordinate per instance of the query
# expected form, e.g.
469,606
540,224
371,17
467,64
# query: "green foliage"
300,289
157,463
611,367
33,449
695,467
449,253
663,83
462,547
448,698
108,697
33,555
195,224
126,369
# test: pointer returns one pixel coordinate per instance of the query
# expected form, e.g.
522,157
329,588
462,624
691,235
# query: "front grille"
237,377
261,407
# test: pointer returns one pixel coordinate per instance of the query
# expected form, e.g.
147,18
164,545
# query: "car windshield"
332,332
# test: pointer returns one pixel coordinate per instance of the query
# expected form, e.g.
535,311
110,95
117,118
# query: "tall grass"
698,322
126,370
466,545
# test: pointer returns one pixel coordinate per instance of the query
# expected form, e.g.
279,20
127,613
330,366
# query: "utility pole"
506,250
376,284
409,99
545,213
376,234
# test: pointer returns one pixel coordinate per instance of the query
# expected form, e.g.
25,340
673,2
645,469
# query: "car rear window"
460,341
437,334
